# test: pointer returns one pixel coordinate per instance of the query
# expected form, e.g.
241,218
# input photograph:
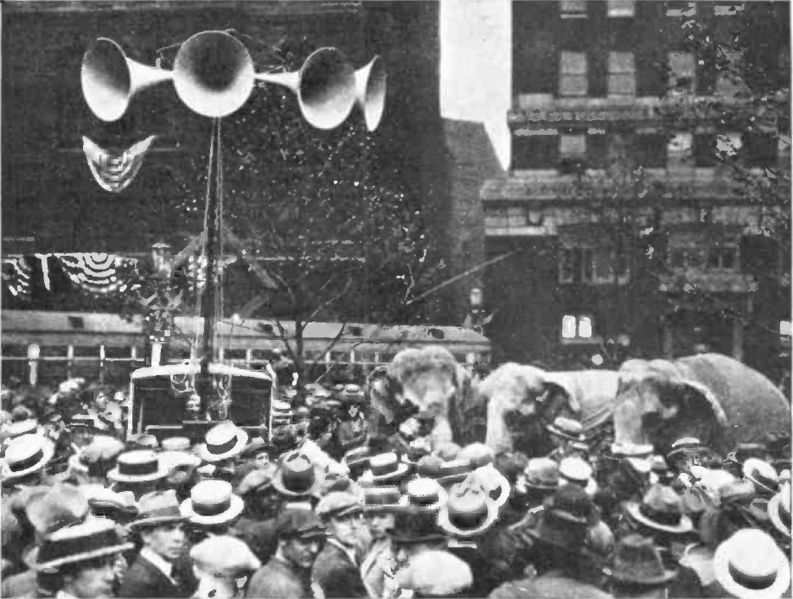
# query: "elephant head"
431,380
522,400
711,397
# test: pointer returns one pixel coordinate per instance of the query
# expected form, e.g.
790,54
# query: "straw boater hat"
211,502
297,475
478,454
762,474
357,460
574,470
142,441
637,562
743,451
157,508
541,474
566,428
749,564
29,426
338,504
425,494
224,556
779,510
385,469
467,512
453,472
381,500
26,455
661,509
631,450
176,444
94,538
109,504
685,445
138,466
223,442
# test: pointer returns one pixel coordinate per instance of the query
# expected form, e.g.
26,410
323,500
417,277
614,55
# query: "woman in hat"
222,564
81,559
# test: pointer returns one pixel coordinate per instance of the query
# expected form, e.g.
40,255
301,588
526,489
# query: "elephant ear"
704,392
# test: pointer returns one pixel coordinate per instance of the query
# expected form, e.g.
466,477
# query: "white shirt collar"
161,564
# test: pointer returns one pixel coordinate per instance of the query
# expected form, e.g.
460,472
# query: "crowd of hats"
735,509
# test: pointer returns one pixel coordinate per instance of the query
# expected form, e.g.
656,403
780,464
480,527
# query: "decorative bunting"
112,170
16,276
96,272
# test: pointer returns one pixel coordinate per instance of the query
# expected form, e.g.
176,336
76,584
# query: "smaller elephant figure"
522,400
426,382
712,397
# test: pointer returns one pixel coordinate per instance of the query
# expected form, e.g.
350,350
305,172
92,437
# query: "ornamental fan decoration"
114,170
95,272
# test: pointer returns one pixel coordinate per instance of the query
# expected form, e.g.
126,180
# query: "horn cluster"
214,75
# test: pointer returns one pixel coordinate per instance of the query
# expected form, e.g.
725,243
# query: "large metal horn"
325,87
370,91
110,79
213,73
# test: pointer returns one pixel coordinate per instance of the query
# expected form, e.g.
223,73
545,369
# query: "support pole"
204,382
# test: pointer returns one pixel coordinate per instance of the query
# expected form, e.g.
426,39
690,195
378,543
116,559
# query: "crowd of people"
320,507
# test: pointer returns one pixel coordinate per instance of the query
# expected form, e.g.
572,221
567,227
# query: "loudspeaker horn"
109,79
370,86
325,87
213,73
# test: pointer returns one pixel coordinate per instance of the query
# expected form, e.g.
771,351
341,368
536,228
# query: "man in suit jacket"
159,569
336,571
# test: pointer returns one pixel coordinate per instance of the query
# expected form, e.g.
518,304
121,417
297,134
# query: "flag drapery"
114,170
16,276
96,272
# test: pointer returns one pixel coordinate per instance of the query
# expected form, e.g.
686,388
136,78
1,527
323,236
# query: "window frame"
566,75
613,75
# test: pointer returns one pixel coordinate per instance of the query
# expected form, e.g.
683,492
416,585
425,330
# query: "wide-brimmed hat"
564,518
448,451
142,441
297,520
779,510
631,450
435,573
224,556
381,499
352,394
386,468
59,506
749,564
574,470
424,494
566,428
453,471
737,492
467,512
762,474
297,475
637,562
337,504
661,509
180,465
478,454
94,538
541,474
158,507
212,502
222,442
26,455
416,525
357,460
138,466
492,482
29,426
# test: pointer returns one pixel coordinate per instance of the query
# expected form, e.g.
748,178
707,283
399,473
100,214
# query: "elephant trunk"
628,429
498,436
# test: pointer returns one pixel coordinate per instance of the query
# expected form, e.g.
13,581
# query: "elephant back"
750,404
591,394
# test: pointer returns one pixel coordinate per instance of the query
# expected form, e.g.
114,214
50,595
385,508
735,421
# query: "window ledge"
594,340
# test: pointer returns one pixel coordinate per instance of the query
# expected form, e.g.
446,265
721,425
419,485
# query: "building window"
496,218
704,150
572,153
651,150
678,150
535,151
577,326
726,9
573,9
723,258
591,265
728,145
622,74
684,257
681,9
785,328
598,149
761,149
682,72
572,74
621,8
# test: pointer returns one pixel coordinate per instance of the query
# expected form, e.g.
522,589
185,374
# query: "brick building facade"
613,260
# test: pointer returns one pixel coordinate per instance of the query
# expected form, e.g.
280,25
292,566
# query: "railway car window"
234,354
339,356
250,403
14,368
160,405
